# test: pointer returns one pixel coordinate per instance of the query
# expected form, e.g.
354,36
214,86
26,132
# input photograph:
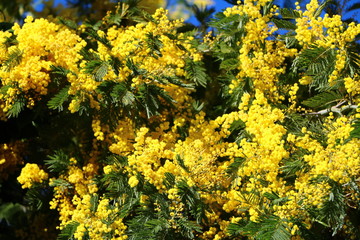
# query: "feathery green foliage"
58,100
58,162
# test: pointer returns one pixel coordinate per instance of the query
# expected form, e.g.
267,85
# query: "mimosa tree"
136,128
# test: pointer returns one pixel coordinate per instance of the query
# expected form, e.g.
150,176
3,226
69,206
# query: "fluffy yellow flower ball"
30,174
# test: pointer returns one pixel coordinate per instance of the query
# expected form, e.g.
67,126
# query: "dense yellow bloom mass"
328,32
31,174
167,154
265,63
339,160
40,45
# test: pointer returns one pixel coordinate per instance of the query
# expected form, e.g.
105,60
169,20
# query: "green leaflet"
97,68
16,107
196,73
69,23
283,24
68,231
58,100
288,13
268,227
355,133
13,59
58,162
323,99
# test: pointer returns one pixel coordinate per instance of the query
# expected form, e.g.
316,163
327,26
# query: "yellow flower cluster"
66,199
328,32
196,159
352,85
31,174
40,44
98,133
339,160
123,137
232,175
135,43
132,42
292,98
96,222
266,150
261,59
148,47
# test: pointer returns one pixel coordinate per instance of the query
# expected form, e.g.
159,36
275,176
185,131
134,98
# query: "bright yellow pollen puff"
133,181
262,66
328,32
40,44
31,174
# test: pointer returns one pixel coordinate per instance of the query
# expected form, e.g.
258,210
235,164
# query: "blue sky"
219,4
222,4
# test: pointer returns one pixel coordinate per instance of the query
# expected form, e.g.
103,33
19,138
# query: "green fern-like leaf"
181,163
290,41
196,73
68,231
4,26
146,227
116,64
229,64
268,227
58,100
353,61
320,9
323,99
97,68
58,162
192,200
91,32
233,168
276,200
173,80
13,59
68,23
94,202
355,133
229,24
311,55
293,165
284,24
60,183
319,63
150,96
169,180
333,211
59,70
12,213
16,107
354,7
121,94
188,228
288,13
154,43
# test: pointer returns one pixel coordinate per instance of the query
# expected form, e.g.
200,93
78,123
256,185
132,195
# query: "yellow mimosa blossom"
31,174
